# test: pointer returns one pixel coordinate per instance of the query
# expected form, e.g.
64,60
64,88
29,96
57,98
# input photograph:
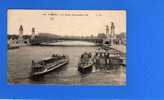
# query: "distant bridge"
41,39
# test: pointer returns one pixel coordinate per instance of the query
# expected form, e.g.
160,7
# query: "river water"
19,64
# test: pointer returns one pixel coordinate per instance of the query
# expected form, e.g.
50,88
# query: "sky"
66,22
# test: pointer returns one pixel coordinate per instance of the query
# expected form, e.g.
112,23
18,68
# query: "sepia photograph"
66,47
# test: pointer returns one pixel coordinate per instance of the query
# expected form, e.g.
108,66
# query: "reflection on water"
19,63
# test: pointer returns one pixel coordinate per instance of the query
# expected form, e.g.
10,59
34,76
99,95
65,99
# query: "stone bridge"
38,39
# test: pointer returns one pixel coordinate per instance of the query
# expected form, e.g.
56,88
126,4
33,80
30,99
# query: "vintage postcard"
67,47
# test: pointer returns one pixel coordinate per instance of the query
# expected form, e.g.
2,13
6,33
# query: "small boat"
48,64
85,65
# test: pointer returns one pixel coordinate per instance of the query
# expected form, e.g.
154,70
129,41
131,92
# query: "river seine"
19,65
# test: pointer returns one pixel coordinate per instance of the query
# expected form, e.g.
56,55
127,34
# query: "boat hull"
85,70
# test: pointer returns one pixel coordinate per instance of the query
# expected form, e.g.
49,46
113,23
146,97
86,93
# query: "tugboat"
86,64
48,64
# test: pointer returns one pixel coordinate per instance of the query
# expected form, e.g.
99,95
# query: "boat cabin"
37,67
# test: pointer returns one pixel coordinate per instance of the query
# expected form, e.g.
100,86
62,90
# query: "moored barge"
107,58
